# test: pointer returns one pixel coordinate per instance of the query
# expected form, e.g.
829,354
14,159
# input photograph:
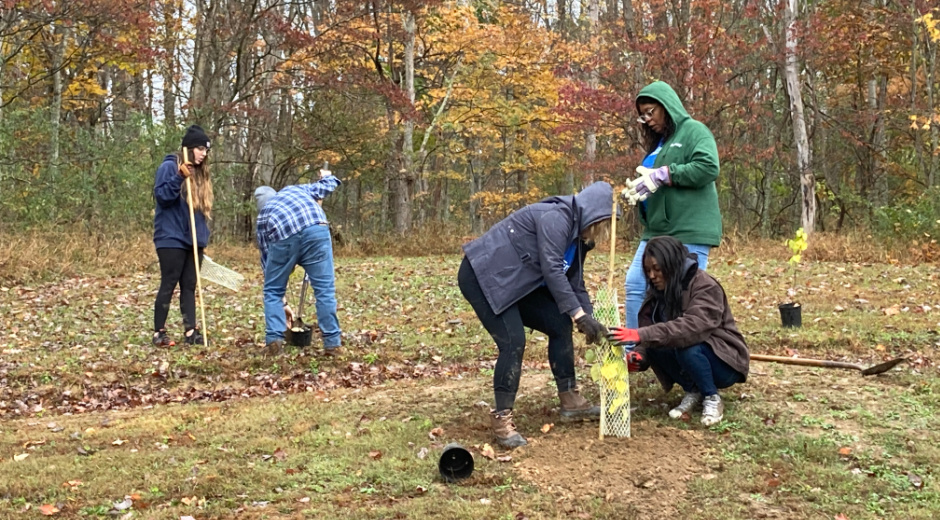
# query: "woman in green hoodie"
675,192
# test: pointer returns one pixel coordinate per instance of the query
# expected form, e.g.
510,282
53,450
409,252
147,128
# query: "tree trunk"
590,140
404,199
932,109
800,136
60,34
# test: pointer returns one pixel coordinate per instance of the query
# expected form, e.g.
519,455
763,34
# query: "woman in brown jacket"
686,331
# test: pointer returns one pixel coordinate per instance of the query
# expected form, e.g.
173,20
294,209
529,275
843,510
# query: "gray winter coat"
527,248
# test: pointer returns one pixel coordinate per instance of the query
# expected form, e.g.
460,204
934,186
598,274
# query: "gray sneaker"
712,410
689,401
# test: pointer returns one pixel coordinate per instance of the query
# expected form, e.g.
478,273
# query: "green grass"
417,359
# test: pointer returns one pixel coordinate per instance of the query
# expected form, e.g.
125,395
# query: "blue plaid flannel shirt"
290,211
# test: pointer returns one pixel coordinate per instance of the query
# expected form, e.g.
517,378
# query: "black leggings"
537,310
176,267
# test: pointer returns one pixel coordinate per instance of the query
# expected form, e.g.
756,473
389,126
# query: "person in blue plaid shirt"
292,230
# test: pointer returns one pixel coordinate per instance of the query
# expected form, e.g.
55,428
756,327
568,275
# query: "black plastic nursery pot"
790,314
299,335
456,463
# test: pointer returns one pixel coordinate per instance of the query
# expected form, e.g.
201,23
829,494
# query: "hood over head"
594,203
667,97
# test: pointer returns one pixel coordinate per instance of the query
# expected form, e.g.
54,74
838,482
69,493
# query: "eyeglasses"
646,116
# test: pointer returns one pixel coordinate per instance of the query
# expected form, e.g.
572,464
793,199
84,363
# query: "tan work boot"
505,430
575,407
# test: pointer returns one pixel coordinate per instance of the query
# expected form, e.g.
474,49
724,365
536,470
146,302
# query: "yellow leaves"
932,25
797,245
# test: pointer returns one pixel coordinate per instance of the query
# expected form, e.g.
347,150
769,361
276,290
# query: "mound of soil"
648,472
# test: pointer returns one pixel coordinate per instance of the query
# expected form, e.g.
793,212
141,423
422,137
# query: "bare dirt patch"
648,471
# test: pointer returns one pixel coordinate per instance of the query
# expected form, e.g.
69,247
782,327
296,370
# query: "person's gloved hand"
636,362
623,336
650,180
592,329
629,196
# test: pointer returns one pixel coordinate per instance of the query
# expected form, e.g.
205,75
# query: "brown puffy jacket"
706,318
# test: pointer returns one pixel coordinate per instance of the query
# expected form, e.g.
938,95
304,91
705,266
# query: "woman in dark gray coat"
527,271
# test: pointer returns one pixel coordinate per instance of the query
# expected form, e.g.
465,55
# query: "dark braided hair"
670,255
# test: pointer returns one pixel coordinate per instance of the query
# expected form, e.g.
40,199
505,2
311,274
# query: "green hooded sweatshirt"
686,210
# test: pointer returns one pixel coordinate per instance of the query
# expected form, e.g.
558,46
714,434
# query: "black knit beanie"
195,137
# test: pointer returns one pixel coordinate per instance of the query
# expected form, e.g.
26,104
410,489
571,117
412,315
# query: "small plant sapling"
796,245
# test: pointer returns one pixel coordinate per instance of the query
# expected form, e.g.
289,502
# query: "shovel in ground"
300,333
870,371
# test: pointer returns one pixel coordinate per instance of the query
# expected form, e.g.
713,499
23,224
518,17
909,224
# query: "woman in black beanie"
172,233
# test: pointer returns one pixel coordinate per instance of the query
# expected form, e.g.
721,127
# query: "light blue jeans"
313,250
636,280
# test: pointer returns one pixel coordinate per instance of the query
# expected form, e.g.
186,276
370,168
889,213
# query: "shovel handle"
825,363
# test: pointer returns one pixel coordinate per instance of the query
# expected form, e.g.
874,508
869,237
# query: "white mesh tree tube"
610,367
215,273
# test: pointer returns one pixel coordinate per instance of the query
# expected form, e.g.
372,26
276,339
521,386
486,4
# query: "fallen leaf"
280,454
891,311
422,453
504,458
845,451
126,504
435,433
187,517
840,516
48,509
118,442
375,454
421,489
488,452
485,501
547,427
72,484
20,457
773,482
304,500
916,481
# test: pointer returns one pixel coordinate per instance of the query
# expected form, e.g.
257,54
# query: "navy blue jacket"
527,249
171,227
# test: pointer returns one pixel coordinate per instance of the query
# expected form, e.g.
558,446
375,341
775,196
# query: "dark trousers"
695,368
538,311
177,267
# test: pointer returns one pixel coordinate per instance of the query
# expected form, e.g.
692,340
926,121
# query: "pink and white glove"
649,181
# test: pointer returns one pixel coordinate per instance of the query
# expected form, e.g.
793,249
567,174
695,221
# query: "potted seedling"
790,315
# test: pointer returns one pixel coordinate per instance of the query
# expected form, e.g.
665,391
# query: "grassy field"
96,422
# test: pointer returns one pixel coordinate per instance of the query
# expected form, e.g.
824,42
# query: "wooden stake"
192,225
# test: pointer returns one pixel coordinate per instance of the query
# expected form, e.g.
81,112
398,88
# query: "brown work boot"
274,348
333,351
575,407
505,430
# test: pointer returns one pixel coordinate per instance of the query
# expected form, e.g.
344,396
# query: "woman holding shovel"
528,271
172,231
686,331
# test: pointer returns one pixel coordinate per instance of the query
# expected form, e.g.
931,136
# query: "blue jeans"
695,368
636,280
313,250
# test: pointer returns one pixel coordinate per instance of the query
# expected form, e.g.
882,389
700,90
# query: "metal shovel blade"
882,368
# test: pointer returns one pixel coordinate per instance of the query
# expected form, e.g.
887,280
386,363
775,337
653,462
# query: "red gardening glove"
622,336
636,362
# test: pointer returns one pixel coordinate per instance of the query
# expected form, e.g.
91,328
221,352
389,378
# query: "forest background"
447,115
